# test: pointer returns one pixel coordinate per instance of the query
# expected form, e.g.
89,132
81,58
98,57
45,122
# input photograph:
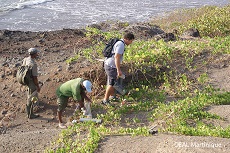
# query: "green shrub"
215,22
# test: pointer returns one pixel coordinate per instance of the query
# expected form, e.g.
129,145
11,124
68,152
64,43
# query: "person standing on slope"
33,86
112,65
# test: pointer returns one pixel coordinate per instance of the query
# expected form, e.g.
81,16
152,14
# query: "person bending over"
76,89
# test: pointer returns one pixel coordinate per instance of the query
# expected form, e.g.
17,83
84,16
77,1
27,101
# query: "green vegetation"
160,70
185,116
211,21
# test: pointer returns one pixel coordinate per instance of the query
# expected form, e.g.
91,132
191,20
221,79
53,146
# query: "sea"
48,15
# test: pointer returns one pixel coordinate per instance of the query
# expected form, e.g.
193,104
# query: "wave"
21,5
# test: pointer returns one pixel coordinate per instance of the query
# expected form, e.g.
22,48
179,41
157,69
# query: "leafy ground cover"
157,71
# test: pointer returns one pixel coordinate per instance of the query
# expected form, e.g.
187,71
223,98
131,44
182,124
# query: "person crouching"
76,89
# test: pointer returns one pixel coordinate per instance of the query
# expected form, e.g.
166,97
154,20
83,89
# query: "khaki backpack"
24,73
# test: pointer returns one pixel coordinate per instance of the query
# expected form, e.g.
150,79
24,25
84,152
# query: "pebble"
12,95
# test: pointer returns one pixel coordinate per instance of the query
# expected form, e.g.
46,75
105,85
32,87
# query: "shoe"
113,99
29,111
62,126
106,102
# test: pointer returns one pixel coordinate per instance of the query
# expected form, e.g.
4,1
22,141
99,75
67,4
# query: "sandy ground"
164,143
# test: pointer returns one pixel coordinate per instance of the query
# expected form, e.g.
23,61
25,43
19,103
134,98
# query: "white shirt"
118,48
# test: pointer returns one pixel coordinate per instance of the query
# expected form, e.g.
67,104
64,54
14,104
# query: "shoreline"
51,23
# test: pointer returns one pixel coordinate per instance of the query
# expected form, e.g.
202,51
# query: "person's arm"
35,76
118,64
35,79
84,96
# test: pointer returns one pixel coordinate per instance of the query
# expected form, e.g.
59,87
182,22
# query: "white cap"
88,85
33,51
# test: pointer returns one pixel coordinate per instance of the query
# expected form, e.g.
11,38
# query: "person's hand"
39,86
119,73
122,76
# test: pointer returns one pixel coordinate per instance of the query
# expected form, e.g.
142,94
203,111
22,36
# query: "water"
45,15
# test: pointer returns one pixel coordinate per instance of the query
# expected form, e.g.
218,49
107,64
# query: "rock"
12,95
97,26
46,50
47,80
5,64
144,31
3,112
17,64
5,87
3,75
190,34
41,40
5,32
166,37
69,67
59,69
3,130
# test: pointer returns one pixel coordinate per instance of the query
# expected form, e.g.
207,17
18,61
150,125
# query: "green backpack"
24,74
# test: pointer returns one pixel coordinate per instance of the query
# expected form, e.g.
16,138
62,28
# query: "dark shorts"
62,102
111,75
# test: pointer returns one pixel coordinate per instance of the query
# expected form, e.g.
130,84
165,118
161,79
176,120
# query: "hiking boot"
29,111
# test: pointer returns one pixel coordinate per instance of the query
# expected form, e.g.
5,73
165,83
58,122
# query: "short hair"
129,36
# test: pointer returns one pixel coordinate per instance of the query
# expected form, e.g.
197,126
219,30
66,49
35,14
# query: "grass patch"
185,116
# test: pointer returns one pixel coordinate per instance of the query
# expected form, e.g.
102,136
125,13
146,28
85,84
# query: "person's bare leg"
109,92
61,125
59,114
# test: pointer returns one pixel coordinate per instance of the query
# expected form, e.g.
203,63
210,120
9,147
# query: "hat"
88,85
33,51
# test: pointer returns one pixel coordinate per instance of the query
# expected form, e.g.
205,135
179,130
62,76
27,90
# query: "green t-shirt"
70,88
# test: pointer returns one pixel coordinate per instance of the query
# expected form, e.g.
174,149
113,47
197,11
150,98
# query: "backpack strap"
114,45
